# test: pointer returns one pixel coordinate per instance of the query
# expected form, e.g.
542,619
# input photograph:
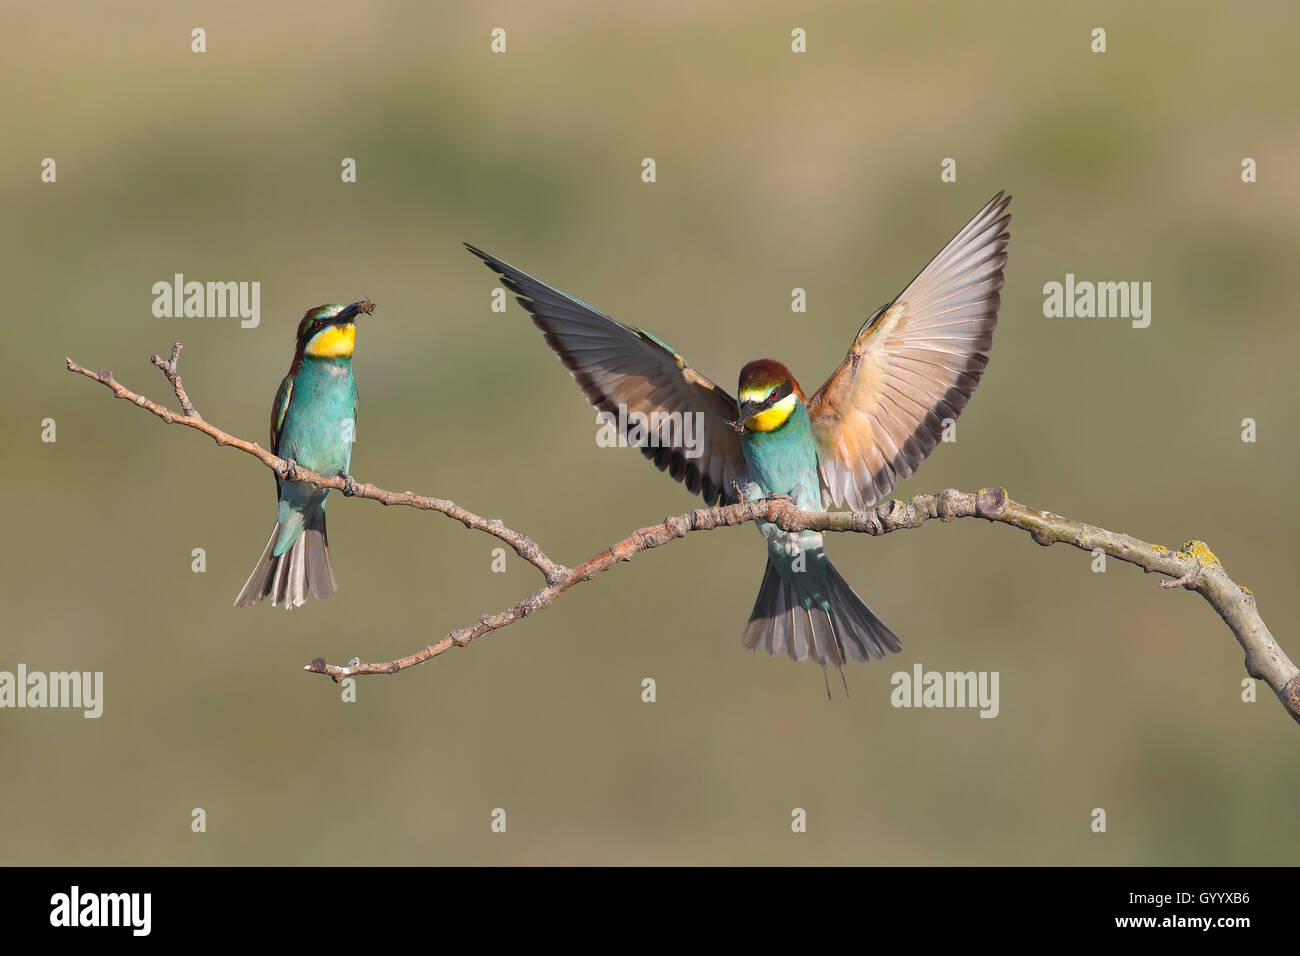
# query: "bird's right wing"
616,365
279,408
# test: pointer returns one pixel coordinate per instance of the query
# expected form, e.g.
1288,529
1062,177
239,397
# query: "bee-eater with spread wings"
914,364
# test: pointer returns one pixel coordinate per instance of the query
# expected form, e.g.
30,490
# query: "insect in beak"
352,311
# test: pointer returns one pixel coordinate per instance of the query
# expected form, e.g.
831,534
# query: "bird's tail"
286,577
818,617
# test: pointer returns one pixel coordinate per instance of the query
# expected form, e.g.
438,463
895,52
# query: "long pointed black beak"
352,311
744,413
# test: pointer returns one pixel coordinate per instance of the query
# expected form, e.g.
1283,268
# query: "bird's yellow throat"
772,418
334,342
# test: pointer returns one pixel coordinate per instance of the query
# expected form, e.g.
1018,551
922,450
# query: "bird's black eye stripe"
778,394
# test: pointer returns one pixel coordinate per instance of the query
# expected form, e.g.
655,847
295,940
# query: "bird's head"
327,331
768,396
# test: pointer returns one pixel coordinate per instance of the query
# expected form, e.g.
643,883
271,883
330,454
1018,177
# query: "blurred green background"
775,170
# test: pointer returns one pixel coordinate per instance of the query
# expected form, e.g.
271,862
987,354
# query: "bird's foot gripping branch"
1193,567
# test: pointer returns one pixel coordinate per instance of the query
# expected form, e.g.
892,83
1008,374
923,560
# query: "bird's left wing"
914,364
616,365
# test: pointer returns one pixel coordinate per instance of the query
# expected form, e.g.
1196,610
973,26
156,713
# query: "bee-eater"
313,423
913,365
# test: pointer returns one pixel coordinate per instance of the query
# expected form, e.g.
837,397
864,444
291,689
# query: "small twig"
168,367
1194,566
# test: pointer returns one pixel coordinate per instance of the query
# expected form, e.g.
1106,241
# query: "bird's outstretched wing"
914,363
616,365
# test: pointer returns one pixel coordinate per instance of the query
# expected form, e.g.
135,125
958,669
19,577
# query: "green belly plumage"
318,431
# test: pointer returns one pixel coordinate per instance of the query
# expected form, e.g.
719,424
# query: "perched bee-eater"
913,364
313,423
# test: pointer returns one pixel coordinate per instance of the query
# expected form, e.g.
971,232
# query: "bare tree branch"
291,471
1194,566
